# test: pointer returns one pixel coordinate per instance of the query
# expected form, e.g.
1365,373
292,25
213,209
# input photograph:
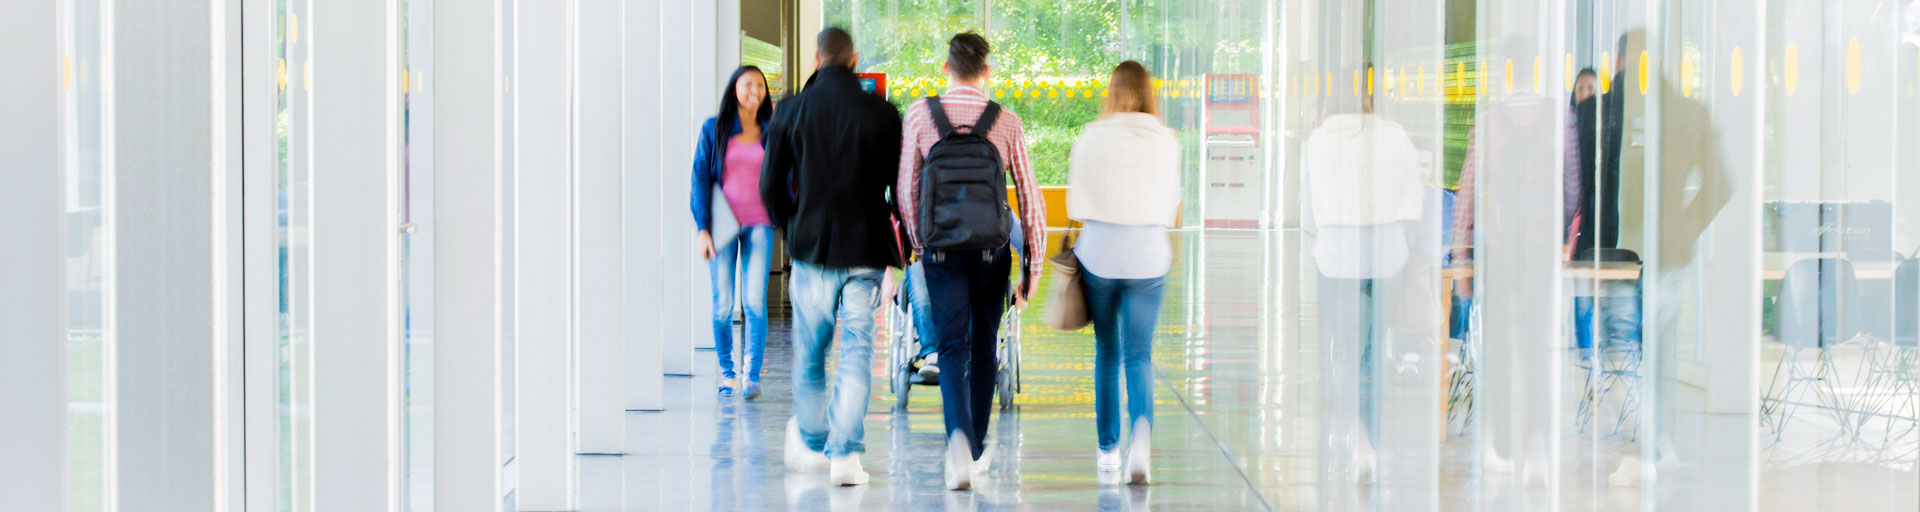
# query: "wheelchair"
904,346
904,343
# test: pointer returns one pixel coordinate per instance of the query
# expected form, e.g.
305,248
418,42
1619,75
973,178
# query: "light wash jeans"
915,295
1124,313
752,250
822,298
1619,317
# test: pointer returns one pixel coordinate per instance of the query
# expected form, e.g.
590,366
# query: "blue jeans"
1351,316
1619,311
968,292
823,297
755,247
915,296
1124,314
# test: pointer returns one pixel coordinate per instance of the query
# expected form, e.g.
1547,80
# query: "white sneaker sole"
959,464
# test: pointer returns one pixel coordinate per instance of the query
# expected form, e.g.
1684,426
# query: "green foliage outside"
1051,58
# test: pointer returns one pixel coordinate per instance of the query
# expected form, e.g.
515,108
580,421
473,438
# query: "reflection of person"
729,155
1124,186
1363,193
1524,110
968,288
1522,150
1694,187
831,155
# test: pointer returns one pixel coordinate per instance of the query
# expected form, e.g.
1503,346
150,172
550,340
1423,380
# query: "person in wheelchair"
912,297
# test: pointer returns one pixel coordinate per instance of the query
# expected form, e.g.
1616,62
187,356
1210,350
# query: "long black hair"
730,101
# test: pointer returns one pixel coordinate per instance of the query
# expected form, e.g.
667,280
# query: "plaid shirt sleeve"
1463,204
1033,207
908,185
1570,184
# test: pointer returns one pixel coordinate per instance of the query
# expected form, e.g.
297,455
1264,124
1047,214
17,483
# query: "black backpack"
963,187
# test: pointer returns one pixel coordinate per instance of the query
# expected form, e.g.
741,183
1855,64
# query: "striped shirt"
963,105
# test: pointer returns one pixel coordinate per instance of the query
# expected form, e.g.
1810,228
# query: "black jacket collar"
833,77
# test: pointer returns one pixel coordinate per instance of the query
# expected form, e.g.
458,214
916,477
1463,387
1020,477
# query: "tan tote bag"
1067,309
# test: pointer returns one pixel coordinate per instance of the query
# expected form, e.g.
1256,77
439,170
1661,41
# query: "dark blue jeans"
1124,313
968,291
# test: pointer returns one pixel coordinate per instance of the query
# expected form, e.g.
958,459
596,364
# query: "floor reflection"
1241,424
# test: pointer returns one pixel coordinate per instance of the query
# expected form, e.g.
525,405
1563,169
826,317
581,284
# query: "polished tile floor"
1250,415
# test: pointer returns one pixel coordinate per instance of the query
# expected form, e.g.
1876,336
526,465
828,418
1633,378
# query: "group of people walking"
859,192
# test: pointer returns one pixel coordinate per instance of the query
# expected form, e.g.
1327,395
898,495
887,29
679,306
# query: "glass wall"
1838,191
1615,252
293,186
87,271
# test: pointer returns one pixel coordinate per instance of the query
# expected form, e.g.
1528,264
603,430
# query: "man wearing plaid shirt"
968,293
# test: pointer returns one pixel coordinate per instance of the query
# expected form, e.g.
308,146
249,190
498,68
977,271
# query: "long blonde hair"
1130,89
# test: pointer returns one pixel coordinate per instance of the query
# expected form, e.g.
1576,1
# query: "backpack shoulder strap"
985,124
939,116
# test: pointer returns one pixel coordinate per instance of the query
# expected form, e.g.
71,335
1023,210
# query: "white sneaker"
799,457
1628,474
1107,461
847,471
959,463
1362,459
984,463
1139,454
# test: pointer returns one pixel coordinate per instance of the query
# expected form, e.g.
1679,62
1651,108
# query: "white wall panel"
542,256
160,318
32,328
467,425
356,326
704,98
679,126
642,207
600,345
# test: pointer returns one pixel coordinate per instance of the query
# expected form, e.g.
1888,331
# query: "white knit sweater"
1364,172
1125,169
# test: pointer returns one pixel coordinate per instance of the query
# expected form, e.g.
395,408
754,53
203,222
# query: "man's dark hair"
967,55
835,47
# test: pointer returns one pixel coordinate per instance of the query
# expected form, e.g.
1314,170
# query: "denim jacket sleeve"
703,176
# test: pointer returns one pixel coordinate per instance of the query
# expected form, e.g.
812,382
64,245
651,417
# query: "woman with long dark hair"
736,237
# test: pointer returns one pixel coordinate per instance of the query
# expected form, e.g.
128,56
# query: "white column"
704,98
159,305
600,343
32,319
641,205
356,328
542,262
467,201
679,126
229,297
261,279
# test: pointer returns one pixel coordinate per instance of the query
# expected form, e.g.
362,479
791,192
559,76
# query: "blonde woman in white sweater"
1124,185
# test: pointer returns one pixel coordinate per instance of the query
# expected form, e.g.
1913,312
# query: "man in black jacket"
832,155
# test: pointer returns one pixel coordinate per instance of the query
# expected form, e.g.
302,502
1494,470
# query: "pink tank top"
741,183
